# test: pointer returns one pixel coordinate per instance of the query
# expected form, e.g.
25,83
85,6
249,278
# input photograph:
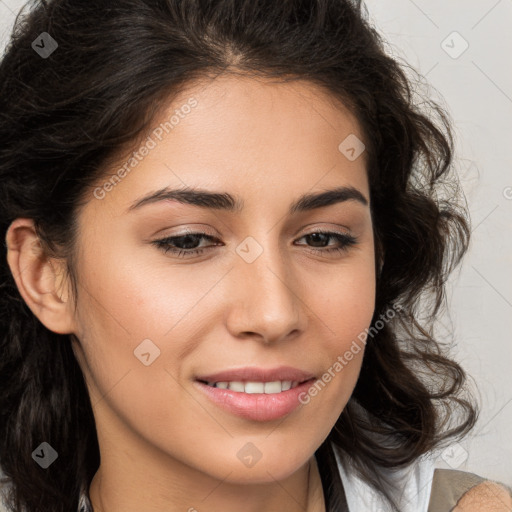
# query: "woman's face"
264,291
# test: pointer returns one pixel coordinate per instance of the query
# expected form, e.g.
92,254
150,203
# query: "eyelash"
164,244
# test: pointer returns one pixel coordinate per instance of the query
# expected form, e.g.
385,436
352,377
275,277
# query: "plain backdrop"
464,49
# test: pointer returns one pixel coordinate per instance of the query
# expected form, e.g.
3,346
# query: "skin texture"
486,497
164,445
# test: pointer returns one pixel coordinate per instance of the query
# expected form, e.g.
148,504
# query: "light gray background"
477,90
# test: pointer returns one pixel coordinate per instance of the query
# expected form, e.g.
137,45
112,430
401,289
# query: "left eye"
186,245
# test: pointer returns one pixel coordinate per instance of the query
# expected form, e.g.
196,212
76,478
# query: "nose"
267,302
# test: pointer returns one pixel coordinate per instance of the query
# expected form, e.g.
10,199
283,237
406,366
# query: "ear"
41,280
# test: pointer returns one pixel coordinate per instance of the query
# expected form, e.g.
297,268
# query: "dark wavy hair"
62,118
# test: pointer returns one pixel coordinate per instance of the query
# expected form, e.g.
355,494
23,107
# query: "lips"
243,391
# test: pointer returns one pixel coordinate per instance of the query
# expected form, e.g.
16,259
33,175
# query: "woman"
220,217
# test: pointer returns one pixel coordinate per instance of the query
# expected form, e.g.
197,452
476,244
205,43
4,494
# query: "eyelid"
194,230
203,230
339,230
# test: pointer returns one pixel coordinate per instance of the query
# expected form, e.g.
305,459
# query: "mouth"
256,394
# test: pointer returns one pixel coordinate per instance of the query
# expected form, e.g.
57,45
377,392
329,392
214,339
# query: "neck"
301,492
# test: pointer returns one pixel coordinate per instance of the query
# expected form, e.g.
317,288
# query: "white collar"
416,484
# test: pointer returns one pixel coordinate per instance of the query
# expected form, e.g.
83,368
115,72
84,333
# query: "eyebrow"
225,201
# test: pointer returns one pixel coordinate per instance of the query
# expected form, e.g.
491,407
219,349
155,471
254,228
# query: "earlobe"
39,278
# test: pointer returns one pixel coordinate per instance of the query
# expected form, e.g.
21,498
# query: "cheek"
127,302
123,303
344,302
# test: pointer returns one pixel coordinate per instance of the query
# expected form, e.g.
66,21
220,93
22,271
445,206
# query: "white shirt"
416,484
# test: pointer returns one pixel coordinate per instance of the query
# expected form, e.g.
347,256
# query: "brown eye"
321,239
183,245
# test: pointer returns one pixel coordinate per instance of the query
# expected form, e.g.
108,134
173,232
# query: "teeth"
236,386
286,385
271,387
256,387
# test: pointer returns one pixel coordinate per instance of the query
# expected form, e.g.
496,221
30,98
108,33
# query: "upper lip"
254,374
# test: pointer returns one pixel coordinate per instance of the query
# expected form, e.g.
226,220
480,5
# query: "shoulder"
488,496
461,491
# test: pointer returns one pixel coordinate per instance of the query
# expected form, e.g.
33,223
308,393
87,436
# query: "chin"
276,463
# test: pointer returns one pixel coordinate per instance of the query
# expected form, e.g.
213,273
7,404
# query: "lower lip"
256,406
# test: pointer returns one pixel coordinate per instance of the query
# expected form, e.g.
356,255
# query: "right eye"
188,241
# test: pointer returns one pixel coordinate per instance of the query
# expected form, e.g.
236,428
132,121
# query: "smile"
256,401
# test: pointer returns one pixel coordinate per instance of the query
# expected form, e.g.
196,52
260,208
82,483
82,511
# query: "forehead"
266,109
235,133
